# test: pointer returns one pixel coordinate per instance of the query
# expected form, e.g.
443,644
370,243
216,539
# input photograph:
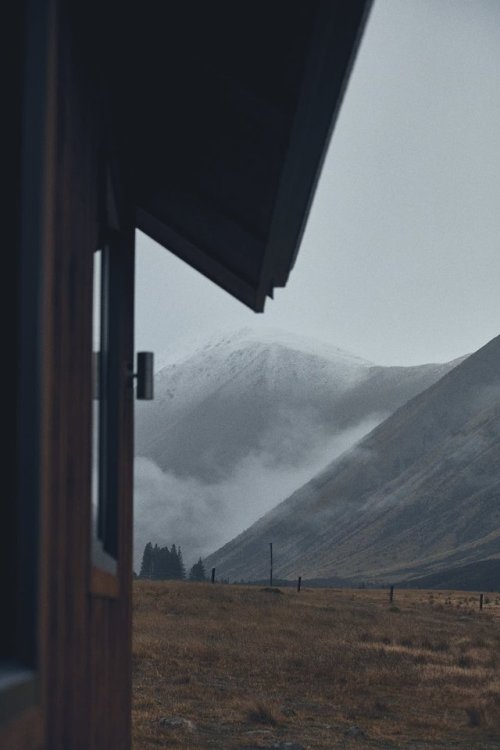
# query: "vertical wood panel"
75,236
85,639
110,635
24,732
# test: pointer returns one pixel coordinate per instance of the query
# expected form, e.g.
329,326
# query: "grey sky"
400,262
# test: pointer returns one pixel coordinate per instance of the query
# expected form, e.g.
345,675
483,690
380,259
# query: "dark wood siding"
85,632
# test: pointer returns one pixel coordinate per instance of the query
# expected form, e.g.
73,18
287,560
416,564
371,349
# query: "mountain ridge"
246,419
451,405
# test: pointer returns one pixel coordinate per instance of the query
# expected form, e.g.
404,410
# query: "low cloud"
200,517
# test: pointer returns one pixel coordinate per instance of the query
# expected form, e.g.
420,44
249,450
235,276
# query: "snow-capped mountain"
418,495
242,422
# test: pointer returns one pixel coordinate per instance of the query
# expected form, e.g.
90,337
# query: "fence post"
271,564
391,594
481,601
213,575
299,583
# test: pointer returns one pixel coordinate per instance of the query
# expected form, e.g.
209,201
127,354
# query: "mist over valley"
242,422
419,495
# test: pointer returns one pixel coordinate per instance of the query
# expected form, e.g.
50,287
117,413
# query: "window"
104,415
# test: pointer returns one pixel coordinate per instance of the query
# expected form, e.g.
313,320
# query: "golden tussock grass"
247,668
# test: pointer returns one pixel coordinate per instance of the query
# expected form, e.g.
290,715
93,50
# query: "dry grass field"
243,667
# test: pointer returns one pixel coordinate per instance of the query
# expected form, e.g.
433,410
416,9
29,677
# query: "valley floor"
219,666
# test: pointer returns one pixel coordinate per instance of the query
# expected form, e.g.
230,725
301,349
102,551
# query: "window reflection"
100,459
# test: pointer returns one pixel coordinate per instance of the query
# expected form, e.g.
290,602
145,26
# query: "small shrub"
442,646
421,659
381,707
260,714
474,715
437,646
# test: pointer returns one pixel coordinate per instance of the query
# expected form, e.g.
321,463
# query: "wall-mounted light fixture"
145,376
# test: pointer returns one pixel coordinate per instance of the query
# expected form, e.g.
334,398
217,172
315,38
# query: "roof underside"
233,106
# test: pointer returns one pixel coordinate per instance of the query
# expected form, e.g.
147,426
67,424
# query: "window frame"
105,556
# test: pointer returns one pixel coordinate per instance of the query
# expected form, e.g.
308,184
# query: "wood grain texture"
85,627
24,732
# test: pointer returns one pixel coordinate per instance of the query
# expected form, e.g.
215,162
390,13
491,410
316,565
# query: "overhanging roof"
233,106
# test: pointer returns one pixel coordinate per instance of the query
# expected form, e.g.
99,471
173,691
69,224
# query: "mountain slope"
241,423
420,493
274,394
479,576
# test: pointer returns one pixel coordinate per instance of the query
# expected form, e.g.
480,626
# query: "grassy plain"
218,666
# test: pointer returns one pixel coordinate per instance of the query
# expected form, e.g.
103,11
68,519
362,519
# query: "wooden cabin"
204,124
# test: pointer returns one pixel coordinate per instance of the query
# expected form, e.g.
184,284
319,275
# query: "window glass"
102,556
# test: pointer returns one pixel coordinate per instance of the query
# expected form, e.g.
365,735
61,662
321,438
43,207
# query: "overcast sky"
400,262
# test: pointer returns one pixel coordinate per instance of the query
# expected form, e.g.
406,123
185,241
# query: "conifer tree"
178,569
155,563
162,567
181,566
197,572
147,562
162,563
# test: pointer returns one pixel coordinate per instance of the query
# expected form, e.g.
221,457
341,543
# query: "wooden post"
213,575
299,583
271,564
391,594
481,596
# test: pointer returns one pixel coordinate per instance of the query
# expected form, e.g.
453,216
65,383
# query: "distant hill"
477,576
418,495
272,392
245,420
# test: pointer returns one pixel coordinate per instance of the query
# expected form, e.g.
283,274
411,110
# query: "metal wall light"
145,376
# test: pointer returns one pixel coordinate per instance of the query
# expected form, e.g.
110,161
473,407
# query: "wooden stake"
299,583
213,575
391,594
271,565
